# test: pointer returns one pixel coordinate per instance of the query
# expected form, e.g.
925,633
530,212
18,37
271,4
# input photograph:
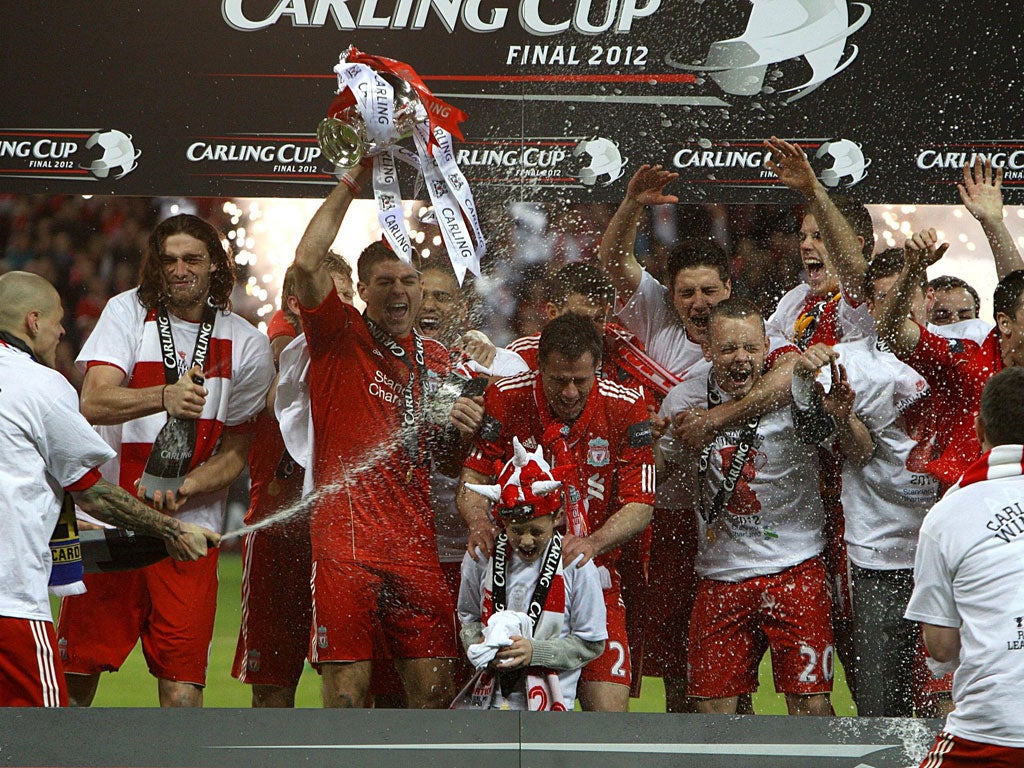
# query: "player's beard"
181,298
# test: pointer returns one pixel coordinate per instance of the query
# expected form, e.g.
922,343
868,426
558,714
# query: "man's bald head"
21,293
30,309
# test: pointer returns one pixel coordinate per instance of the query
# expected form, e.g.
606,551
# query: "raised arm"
312,281
616,251
892,315
790,164
982,194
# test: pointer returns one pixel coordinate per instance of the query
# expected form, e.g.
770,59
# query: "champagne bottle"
171,455
117,549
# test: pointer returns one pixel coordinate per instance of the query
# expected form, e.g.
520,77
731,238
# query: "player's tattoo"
116,506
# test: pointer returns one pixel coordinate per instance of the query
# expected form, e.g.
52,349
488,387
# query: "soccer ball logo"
606,162
777,31
118,152
848,165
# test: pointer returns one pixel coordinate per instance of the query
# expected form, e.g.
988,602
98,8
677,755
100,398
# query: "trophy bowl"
343,136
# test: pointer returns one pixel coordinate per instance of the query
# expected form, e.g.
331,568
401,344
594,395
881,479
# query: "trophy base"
153,483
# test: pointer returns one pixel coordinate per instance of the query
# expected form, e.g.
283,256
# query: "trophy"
379,103
343,136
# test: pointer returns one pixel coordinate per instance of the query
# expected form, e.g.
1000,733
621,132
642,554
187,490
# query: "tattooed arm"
112,504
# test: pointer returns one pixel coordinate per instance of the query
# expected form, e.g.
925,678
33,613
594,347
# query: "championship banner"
565,98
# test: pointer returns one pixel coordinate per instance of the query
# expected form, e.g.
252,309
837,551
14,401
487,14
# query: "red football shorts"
733,624
953,752
31,674
273,637
412,604
671,587
169,605
614,665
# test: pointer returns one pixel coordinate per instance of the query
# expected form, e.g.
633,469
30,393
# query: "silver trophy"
452,387
344,139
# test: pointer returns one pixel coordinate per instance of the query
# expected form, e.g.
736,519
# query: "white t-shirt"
677,482
239,370
774,519
47,446
585,615
851,322
885,501
966,575
975,330
650,315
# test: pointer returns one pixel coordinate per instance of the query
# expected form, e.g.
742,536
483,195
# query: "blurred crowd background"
91,247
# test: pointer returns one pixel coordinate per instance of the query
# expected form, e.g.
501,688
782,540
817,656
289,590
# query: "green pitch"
133,686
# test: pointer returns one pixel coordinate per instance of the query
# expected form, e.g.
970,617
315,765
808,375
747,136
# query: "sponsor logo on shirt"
385,388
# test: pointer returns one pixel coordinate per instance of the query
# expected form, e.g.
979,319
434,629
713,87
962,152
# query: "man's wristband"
163,392
349,182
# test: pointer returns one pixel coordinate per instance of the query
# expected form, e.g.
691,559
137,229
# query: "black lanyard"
417,374
13,341
499,576
731,475
167,351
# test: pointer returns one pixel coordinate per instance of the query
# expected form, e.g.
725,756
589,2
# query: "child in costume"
528,624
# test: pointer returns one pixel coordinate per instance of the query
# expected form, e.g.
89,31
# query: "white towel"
497,635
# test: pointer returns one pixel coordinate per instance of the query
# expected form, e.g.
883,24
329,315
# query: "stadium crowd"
661,442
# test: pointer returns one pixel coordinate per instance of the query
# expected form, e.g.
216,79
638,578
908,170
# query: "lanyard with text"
499,575
417,374
731,475
167,352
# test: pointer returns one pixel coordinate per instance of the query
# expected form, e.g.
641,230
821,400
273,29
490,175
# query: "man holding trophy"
174,381
373,385
375,562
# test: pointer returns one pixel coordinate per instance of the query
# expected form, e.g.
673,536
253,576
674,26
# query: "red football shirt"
375,503
612,365
273,479
611,441
956,370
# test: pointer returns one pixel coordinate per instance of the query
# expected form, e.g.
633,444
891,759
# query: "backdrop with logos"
565,97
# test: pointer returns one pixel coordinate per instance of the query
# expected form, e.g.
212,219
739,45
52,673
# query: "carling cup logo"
118,152
778,31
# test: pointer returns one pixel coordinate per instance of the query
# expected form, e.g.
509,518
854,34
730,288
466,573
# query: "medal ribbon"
499,576
731,475
167,351
417,373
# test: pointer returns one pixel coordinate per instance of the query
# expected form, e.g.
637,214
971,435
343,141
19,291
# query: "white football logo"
118,152
777,31
848,163
606,162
